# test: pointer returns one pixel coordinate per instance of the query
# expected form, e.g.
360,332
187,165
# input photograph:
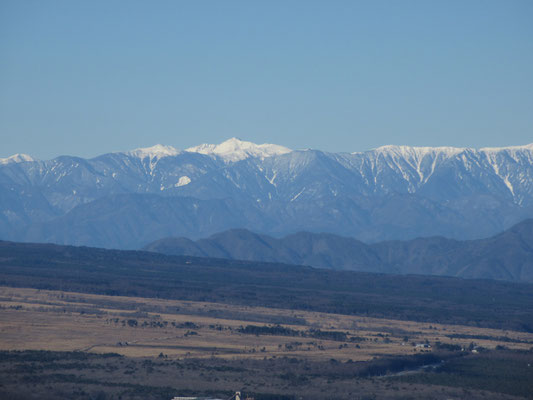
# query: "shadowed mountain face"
321,250
507,256
125,200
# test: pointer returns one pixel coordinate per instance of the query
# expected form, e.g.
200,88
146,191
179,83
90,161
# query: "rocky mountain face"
506,256
125,200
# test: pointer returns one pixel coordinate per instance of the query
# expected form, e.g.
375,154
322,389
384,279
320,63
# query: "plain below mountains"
507,256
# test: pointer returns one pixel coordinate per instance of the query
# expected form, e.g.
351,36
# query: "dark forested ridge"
507,256
134,273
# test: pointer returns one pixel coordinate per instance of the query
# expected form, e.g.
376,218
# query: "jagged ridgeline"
506,256
126,200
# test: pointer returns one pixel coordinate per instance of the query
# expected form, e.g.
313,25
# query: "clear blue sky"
89,77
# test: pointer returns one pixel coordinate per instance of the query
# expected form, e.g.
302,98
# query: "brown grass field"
33,319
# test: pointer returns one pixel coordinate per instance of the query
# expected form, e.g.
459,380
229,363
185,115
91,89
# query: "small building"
236,396
194,398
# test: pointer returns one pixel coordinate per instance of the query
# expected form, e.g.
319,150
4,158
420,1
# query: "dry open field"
62,321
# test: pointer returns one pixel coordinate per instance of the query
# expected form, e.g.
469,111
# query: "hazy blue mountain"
506,256
394,192
132,220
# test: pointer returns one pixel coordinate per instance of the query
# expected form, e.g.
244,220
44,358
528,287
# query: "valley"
65,321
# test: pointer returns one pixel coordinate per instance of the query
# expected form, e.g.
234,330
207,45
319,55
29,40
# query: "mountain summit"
157,151
17,158
235,150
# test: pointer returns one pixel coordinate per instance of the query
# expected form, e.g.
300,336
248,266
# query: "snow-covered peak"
16,158
157,151
235,150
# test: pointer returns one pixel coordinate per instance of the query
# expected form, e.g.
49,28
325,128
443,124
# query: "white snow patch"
184,180
234,149
298,195
508,184
271,180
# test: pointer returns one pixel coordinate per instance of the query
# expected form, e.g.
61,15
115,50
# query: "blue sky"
89,77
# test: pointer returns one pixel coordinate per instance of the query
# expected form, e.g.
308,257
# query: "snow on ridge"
511,148
17,158
157,151
406,151
448,151
235,149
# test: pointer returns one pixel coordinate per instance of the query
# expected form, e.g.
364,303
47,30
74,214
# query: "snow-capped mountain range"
128,199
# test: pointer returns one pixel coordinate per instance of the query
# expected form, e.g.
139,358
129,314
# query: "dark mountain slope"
304,248
507,256
129,221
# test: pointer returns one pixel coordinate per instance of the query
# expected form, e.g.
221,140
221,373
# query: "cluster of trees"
134,323
278,330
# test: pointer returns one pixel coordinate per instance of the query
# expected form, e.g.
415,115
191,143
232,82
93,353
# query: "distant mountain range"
126,200
507,256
